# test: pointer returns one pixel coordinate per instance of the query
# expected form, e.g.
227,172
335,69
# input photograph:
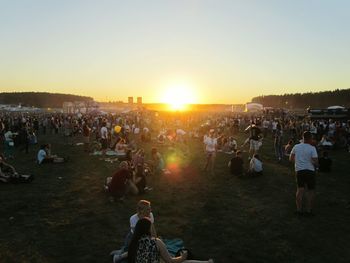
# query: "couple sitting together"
142,244
236,165
125,181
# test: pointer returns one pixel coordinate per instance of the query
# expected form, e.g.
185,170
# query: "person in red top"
121,182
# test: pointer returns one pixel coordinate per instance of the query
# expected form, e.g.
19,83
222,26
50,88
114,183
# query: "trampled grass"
65,216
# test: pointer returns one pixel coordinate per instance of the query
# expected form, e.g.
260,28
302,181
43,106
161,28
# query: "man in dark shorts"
305,157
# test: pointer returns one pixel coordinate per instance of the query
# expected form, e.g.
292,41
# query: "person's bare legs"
207,162
299,198
212,162
310,196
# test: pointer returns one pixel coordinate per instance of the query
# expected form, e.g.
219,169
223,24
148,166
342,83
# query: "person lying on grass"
145,248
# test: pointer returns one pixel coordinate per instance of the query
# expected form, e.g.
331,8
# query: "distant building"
131,100
139,100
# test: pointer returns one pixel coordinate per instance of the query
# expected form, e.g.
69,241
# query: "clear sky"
222,51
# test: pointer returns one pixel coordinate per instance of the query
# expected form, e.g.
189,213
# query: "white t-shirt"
256,165
210,144
304,153
135,218
266,124
136,130
180,132
41,156
274,125
8,136
104,133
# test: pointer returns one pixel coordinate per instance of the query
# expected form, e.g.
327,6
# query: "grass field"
64,215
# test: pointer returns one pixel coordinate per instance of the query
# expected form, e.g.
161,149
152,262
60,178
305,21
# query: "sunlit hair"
143,208
123,164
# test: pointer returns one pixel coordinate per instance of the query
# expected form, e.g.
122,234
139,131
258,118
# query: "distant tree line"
39,99
304,100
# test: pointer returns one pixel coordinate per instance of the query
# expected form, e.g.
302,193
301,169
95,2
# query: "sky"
205,51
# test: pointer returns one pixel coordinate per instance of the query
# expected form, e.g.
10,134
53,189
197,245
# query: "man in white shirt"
306,159
211,144
104,137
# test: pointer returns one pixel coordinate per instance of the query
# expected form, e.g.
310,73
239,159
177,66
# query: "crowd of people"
123,135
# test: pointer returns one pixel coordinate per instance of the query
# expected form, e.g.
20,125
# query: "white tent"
253,107
335,108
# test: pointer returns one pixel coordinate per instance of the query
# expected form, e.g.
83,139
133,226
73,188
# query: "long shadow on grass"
252,220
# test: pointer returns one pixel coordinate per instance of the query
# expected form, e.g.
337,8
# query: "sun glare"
177,97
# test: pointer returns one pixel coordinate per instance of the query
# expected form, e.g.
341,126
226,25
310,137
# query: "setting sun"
178,97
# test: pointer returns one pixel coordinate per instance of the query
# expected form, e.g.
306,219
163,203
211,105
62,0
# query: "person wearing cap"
305,158
210,143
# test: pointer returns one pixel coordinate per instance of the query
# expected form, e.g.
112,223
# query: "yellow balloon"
117,129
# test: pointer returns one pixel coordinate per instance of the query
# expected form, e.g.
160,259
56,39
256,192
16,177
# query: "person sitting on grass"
236,164
255,166
145,248
121,147
44,155
121,182
157,161
139,179
139,158
325,163
7,171
143,210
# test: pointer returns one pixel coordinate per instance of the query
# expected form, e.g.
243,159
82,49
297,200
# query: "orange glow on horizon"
178,97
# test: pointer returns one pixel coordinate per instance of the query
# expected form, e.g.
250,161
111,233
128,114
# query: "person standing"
278,143
86,136
254,139
211,145
305,158
104,137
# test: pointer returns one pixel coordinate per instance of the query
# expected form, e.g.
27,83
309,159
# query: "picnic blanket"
173,245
